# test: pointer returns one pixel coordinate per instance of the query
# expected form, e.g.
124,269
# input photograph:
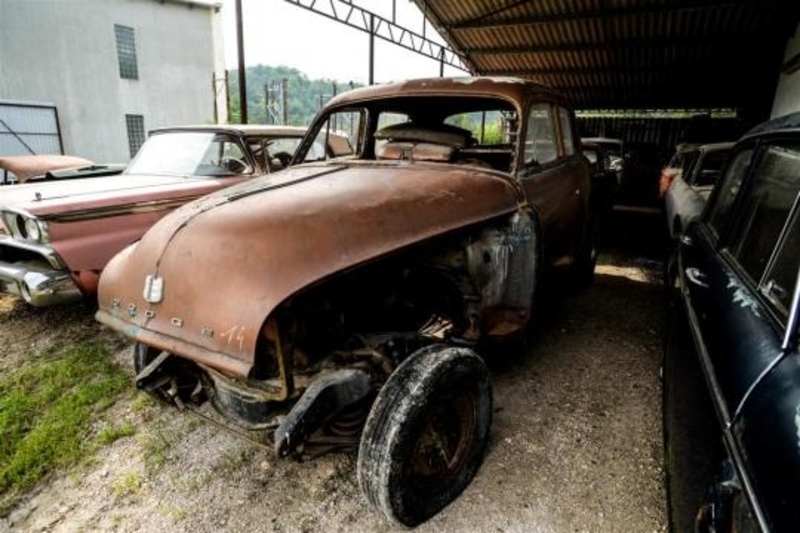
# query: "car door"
555,177
722,266
767,427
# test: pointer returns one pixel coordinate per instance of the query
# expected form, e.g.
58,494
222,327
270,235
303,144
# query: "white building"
105,72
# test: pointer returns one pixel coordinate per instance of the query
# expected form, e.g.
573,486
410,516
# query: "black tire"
586,257
437,403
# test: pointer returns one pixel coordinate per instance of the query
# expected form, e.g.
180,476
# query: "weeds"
155,447
47,410
128,484
232,462
110,434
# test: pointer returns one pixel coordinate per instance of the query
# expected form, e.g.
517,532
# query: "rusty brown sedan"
342,302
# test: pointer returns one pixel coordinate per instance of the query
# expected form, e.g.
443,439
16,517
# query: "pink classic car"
56,236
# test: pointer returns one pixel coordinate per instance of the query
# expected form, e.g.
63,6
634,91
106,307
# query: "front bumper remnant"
38,284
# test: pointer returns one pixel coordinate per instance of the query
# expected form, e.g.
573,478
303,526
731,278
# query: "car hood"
227,260
25,167
54,198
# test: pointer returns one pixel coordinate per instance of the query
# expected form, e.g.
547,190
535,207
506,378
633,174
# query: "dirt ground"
575,442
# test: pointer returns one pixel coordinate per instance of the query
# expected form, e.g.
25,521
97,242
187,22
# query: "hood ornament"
153,289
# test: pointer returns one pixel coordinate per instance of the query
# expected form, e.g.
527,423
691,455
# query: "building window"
126,52
135,125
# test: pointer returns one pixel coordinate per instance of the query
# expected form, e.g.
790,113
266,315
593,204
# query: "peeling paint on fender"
742,297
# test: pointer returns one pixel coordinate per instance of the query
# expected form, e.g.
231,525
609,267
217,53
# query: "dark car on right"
731,366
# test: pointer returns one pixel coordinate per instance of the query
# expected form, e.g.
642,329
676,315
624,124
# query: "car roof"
510,88
783,124
716,147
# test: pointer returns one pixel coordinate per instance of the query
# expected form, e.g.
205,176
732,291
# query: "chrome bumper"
38,284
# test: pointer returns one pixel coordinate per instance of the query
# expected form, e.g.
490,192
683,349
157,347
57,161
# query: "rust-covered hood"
228,260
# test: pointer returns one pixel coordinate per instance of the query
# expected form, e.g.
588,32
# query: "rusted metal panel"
303,226
502,87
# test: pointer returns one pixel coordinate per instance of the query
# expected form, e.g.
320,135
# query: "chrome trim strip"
749,493
793,322
118,210
756,383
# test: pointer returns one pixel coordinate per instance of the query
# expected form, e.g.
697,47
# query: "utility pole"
242,74
275,101
228,95
267,102
214,92
284,91
372,49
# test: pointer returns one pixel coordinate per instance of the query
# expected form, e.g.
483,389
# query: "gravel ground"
575,444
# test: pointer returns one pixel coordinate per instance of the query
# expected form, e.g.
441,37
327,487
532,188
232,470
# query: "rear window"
491,127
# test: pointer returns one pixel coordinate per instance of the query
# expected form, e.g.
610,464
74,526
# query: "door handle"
697,277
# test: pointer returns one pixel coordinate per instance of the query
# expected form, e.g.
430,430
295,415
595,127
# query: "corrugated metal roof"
607,54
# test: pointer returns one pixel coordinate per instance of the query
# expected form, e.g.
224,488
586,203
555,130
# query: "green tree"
304,96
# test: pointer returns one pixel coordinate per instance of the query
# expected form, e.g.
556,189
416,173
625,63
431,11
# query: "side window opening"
764,227
223,156
728,189
710,169
565,120
779,279
540,141
341,134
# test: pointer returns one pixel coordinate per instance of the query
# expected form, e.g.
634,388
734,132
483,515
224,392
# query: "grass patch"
128,484
232,462
110,434
47,410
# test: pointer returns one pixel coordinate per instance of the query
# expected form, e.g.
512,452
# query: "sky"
279,33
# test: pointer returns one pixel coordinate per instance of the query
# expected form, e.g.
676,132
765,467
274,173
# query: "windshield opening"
191,154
